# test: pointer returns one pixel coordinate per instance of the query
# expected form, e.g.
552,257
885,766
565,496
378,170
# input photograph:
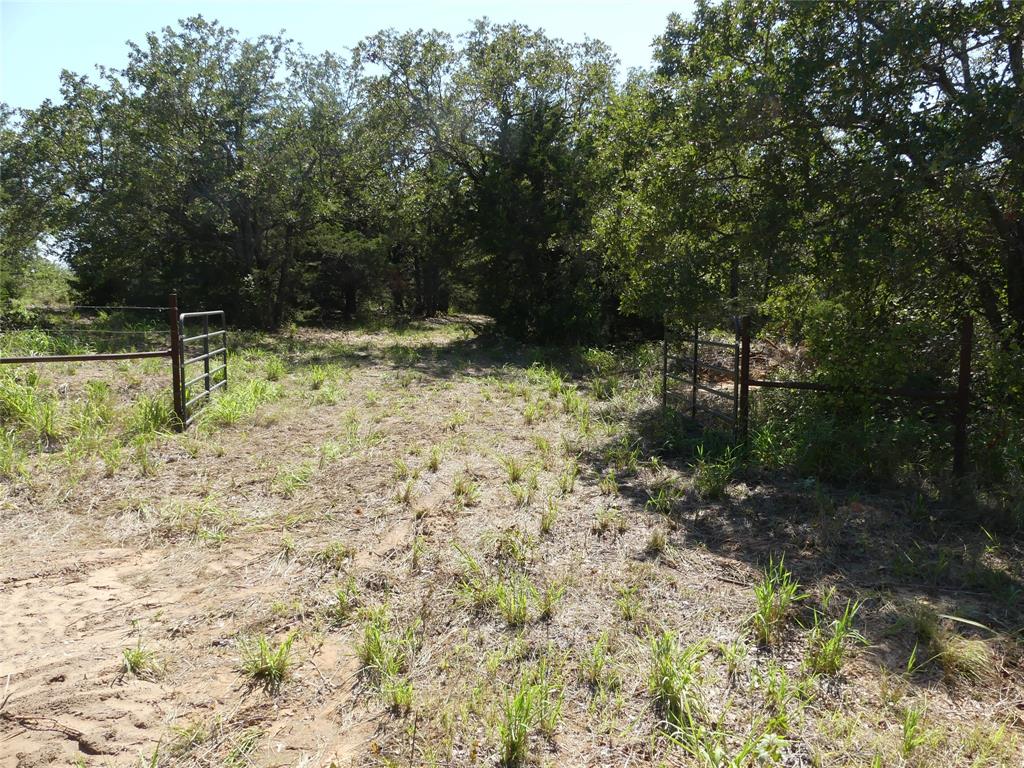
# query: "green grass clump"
265,664
514,467
273,368
711,476
513,597
467,490
140,662
239,402
597,668
534,703
289,480
385,657
674,681
776,594
829,641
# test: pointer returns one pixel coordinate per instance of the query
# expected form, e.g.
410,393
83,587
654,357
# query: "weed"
151,415
548,599
959,657
334,556
467,491
238,403
522,493
657,543
514,468
515,546
673,681
513,597
12,460
608,484
244,745
662,500
567,480
514,728
608,519
474,587
265,664
604,388
783,698
455,421
398,693
536,702
346,598
273,368
596,668
401,470
712,476
287,481
776,595
188,737
404,494
829,641
318,376
548,517
733,654
385,657
434,458
914,734
418,548
140,662
534,411
628,602
329,451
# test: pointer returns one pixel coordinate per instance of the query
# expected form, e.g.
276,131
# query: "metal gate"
704,371
191,394
185,352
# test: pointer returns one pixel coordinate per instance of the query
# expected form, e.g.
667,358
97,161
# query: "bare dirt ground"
372,501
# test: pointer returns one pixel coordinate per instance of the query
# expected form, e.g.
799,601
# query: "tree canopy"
850,166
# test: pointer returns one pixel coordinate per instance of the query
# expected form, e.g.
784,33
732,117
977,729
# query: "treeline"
846,171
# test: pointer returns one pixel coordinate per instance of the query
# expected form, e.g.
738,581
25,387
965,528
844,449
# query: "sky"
39,38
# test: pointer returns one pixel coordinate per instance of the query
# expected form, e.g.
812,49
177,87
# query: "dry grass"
468,559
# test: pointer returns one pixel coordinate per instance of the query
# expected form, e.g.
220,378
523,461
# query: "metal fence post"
693,381
963,398
224,338
736,381
744,425
664,366
206,351
175,328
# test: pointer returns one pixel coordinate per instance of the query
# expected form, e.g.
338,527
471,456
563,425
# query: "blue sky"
39,38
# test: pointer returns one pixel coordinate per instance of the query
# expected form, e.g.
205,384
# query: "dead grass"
473,557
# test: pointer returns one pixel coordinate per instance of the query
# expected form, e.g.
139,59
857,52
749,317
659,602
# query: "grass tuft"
265,664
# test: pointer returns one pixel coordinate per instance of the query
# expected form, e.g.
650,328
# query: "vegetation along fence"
721,391
64,328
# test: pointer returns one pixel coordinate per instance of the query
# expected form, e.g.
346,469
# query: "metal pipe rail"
84,358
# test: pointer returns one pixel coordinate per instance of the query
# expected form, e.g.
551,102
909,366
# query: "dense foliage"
851,174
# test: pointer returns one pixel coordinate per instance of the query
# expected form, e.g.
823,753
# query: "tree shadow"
886,549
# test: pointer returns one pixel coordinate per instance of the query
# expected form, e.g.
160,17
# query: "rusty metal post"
963,398
664,365
693,380
179,400
744,425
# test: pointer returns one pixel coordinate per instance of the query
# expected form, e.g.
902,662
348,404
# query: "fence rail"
742,381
